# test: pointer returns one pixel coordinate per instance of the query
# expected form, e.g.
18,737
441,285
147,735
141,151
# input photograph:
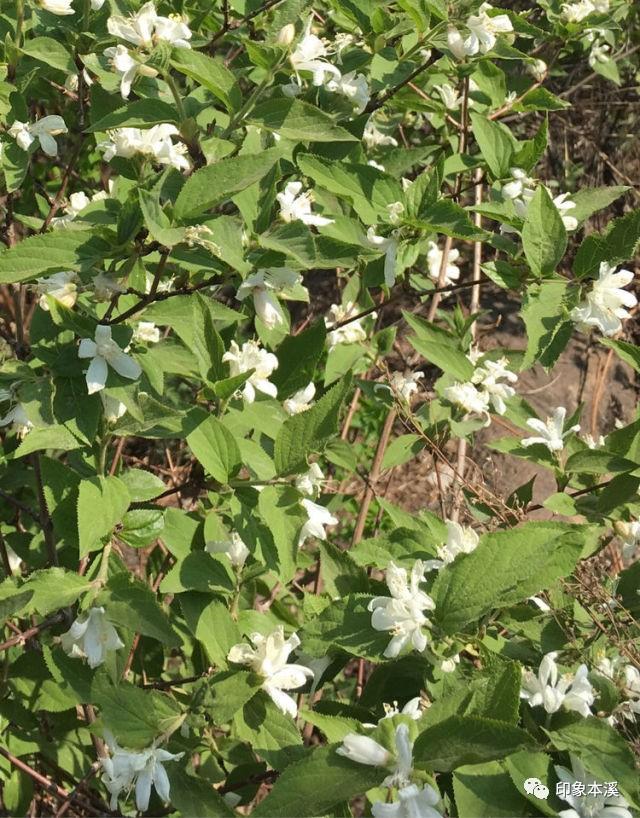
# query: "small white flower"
388,246
364,750
311,481
145,28
234,548
91,637
455,43
413,708
351,333
144,768
402,612
114,409
538,69
77,203
146,332
42,131
460,540
485,30
374,138
309,56
59,7
449,665
18,419
592,443
577,12
629,533
605,306
434,261
551,431
296,206
268,658
405,385
300,401
563,204
251,356
412,802
450,97
600,53
493,379
353,86
317,518
264,285
124,64
372,163
154,143
60,286
592,803
521,182
573,691
469,397
96,5
104,352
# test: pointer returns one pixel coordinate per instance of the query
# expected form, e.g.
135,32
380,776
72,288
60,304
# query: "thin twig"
31,632
379,100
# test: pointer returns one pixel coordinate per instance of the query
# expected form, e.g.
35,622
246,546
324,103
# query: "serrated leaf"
131,603
51,52
192,795
271,734
496,144
207,343
53,589
544,237
213,445
209,73
60,250
102,503
212,624
298,356
598,461
439,347
141,113
298,121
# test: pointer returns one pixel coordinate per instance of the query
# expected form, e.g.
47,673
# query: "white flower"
469,397
77,203
286,35
61,287
145,27
592,443
485,30
388,246
395,211
405,385
234,548
630,535
17,417
155,143
351,333
455,43
521,182
268,658
263,286
413,708
563,203
592,803
434,260
412,802
353,86
91,636
124,64
449,96
372,163
538,69
341,41
460,540
59,7
300,401
308,56
96,5
402,612
123,768
104,353
311,481
551,431
573,691
146,332
317,518
449,665
364,750
251,356
43,131
373,138
114,409
490,377
296,206
605,305
105,287
599,54
577,12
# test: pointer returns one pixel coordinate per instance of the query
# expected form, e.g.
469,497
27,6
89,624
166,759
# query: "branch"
23,637
230,25
378,101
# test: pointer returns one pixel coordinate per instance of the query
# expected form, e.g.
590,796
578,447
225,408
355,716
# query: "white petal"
96,375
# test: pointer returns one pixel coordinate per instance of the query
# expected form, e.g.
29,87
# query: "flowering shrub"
250,250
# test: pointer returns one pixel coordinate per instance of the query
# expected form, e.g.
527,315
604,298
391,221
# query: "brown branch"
23,637
379,100
230,25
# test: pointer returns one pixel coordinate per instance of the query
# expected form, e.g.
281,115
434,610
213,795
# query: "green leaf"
448,218
298,121
598,461
215,183
527,764
211,623
12,599
544,238
54,588
271,734
73,678
136,717
603,751
306,432
617,244
340,574
496,144
439,347
198,571
629,353
298,356
543,313
228,692
368,189
60,250
142,113
588,200
142,485
280,508
207,343
460,740
157,221
192,795
402,449
315,784
213,445
102,502
48,437
131,603
487,791
51,52
345,624
209,73
505,568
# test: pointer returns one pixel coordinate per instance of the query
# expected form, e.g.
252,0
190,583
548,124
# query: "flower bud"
538,69
286,35
364,750
455,43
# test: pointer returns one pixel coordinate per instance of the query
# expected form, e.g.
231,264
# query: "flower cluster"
484,30
549,689
606,305
154,143
488,389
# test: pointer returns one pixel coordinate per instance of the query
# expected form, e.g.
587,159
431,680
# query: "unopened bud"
538,69
455,43
286,34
